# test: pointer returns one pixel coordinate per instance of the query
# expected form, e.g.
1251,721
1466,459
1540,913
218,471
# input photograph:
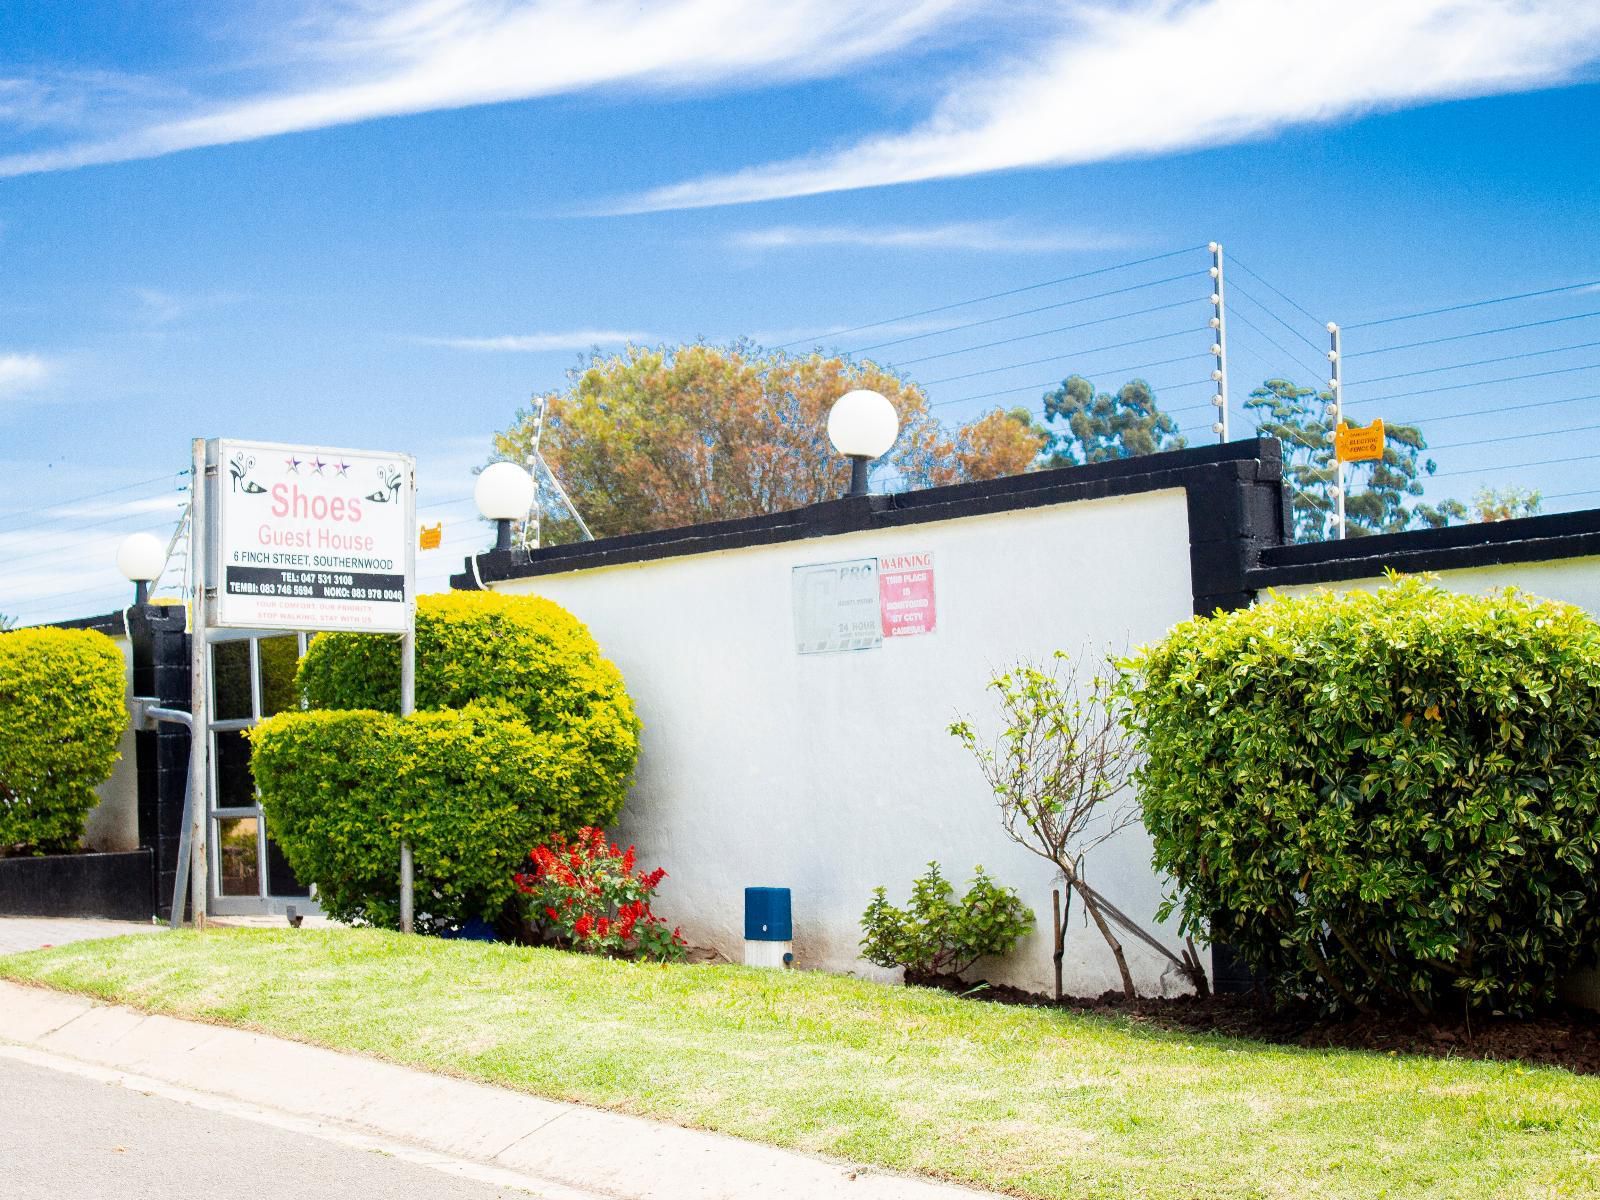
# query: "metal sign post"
199,689
302,538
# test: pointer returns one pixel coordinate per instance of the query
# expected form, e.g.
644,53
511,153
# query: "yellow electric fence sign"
430,536
1358,443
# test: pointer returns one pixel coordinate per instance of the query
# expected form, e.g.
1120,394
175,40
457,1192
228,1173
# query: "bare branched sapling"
1057,770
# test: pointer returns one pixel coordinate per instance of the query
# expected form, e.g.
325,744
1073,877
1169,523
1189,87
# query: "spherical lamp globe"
503,493
863,424
141,558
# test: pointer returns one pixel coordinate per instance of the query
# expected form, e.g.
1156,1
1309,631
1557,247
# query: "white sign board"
836,607
305,537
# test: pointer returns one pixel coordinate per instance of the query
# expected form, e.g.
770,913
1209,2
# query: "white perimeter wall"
1573,580
832,773
113,824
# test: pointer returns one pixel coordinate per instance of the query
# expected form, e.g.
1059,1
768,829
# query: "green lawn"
1040,1103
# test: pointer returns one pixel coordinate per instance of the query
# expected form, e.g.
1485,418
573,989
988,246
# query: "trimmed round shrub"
470,790
1381,797
523,731
61,716
523,652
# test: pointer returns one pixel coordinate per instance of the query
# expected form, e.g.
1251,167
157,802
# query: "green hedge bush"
62,714
483,647
1381,797
523,731
470,790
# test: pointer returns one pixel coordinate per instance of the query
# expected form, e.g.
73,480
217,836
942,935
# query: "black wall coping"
112,623
1457,547
1234,494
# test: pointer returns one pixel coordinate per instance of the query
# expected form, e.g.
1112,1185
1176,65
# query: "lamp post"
141,558
504,493
862,425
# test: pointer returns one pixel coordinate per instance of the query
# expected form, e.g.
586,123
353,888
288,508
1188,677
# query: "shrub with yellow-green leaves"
523,730
1381,797
61,716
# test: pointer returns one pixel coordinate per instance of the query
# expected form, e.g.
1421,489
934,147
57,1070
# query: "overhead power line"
1434,312
1032,287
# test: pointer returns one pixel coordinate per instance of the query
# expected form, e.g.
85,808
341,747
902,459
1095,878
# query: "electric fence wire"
61,505
1476,383
1027,312
1471,304
1476,333
1121,316
1032,287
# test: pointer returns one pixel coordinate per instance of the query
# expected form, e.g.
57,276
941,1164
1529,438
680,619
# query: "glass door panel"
252,678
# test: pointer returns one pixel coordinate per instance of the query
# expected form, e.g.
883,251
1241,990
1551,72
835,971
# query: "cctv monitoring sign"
307,537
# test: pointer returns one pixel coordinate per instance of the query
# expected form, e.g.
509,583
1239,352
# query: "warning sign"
905,594
1357,443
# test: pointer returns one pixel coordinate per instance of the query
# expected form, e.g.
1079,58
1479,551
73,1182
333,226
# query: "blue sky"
387,225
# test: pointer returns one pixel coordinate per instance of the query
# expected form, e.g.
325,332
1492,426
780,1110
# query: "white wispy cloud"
23,372
357,61
1173,75
985,236
570,339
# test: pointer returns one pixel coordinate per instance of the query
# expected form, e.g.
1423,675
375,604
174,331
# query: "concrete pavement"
559,1151
66,1135
35,933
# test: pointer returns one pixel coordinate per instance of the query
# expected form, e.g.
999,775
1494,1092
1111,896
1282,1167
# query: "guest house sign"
311,538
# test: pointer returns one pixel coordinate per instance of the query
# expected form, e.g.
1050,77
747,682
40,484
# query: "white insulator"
1215,274
1333,356
1216,300
1216,348
1216,322
1216,375
1216,427
1218,400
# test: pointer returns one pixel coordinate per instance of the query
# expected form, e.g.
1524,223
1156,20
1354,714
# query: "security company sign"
313,538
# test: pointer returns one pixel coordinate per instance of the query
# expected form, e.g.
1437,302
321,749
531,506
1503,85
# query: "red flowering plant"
585,894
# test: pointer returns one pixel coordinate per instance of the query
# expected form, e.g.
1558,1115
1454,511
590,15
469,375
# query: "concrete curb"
558,1150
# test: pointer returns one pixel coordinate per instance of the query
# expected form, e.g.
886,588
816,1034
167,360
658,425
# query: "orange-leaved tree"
652,438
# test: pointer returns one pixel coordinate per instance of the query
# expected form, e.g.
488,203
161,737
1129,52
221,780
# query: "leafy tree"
1002,442
1105,426
1506,504
653,438
1376,493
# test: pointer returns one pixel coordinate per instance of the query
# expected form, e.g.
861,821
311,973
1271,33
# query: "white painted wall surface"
1573,580
113,824
832,773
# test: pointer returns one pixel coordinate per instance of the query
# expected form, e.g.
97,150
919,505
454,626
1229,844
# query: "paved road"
34,933
65,1137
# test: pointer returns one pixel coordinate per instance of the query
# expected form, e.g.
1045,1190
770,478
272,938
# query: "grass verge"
1042,1103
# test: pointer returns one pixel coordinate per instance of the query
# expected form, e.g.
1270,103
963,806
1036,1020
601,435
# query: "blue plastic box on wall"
767,915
